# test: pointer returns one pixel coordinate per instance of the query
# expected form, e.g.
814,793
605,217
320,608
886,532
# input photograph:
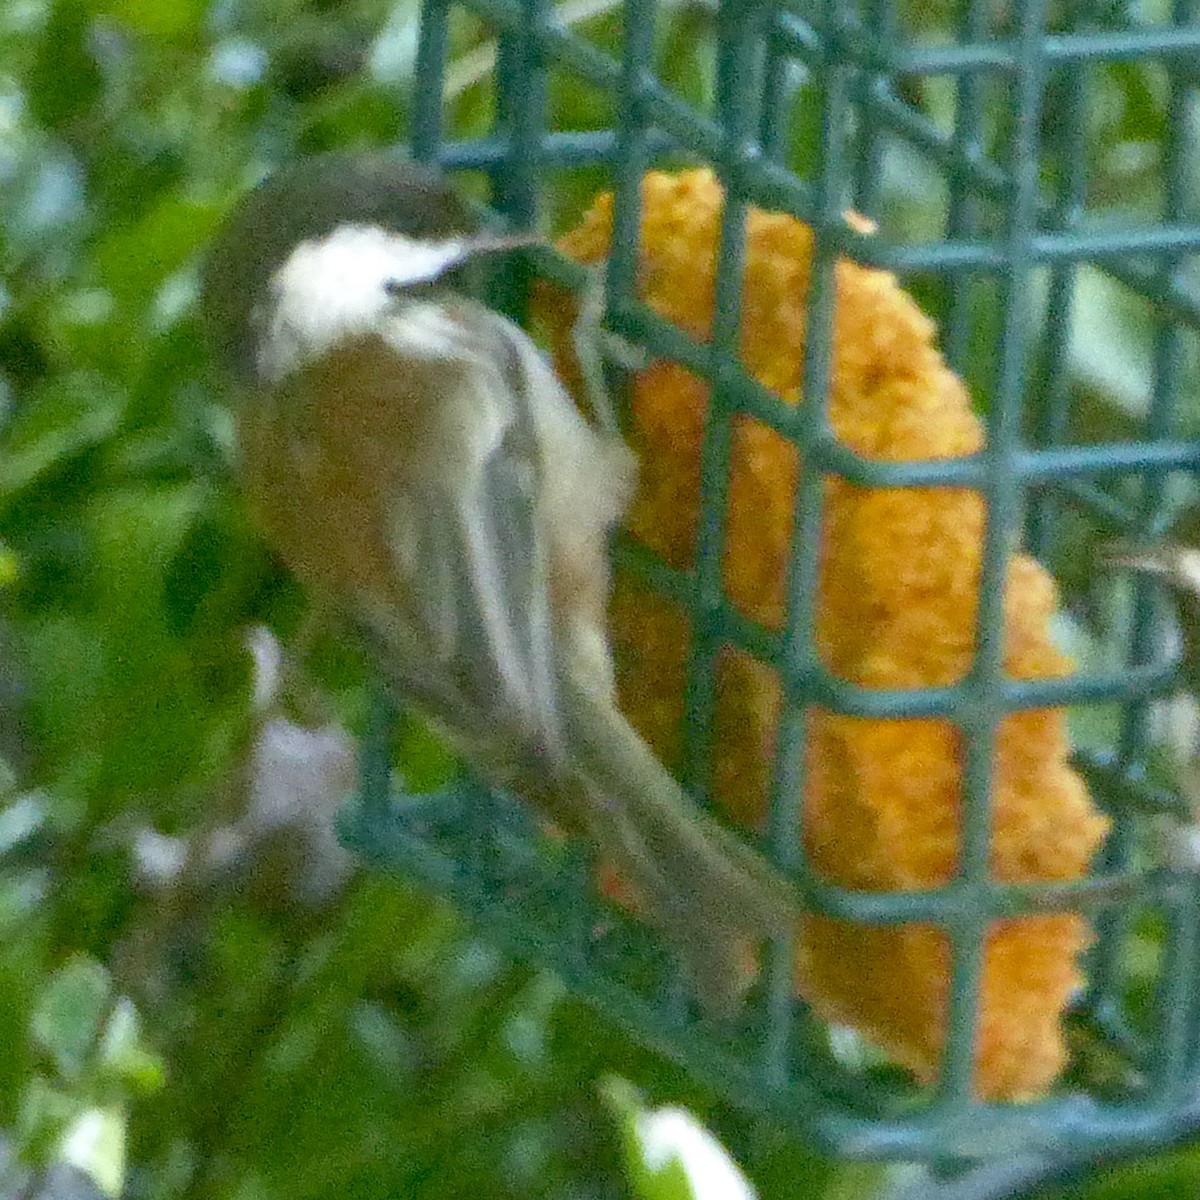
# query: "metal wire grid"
1003,223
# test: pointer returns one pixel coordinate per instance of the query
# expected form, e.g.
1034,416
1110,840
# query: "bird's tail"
706,891
702,887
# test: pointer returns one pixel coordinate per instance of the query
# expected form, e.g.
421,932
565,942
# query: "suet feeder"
858,662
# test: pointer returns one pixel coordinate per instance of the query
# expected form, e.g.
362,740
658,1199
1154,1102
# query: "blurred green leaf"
123,1054
67,415
425,760
65,80
20,894
1172,1174
66,1020
46,1113
213,574
133,262
687,53
162,22
1142,113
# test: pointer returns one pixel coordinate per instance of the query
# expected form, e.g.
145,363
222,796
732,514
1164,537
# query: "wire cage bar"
1008,144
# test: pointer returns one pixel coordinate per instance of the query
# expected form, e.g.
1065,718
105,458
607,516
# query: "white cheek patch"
423,262
337,287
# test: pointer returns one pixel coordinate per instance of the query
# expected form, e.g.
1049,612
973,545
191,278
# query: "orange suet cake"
896,608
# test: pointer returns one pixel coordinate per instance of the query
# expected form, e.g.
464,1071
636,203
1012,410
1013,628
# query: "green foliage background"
362,1043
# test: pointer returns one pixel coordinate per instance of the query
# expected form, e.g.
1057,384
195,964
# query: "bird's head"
316,252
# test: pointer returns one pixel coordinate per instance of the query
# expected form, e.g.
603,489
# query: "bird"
1175,562
411,455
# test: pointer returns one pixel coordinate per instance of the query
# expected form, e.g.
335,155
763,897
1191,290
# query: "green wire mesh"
1010,219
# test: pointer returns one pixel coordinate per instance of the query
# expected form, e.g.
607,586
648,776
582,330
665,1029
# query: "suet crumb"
899,570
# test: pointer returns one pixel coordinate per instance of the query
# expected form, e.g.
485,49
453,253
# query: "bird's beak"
459,251
426,263
1174,564
487,243
1136,556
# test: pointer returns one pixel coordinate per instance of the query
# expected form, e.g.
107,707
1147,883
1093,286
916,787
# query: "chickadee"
412,456
1178,566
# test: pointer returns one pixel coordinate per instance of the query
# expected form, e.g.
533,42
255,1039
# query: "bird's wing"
475,643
